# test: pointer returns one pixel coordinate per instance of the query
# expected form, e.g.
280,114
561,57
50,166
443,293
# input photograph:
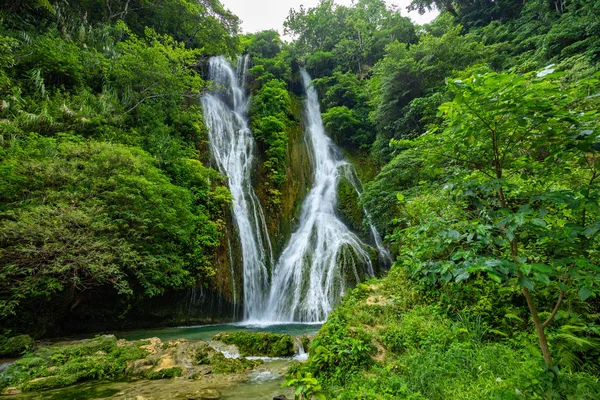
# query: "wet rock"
206,394
280,397
154,346
165,362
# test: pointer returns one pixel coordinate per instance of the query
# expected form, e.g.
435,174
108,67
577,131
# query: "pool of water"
206,332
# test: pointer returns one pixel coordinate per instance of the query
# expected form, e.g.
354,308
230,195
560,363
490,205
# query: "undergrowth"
390,340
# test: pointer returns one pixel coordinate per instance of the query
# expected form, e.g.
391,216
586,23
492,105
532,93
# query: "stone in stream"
205,394
280,397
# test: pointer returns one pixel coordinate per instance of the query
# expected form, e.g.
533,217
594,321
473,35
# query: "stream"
264,382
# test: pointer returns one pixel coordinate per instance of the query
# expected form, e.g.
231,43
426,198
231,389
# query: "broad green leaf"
526,283
585,293
542,268
495,277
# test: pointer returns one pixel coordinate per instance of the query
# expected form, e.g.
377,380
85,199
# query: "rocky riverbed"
109,368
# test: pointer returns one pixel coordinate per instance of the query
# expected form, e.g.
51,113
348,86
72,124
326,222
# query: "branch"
142,100
473,163
556,308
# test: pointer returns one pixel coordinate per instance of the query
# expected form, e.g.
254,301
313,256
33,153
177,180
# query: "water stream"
233,148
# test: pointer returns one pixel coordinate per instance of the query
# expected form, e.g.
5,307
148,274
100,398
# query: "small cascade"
323,255
301,355
233,149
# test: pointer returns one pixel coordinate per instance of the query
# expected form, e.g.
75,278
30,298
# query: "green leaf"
585,293
539,222
542,268
400,197
495,277
526,283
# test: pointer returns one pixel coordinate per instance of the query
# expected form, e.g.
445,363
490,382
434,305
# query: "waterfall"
323,254
233,149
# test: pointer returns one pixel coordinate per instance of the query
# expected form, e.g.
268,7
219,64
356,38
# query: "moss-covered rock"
16,345
223,365
259,343
165,373
62,365
104,357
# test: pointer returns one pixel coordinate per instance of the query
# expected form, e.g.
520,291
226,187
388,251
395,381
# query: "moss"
47,383
206,355
63,365
16,345
166,373
348,204
223,365
306,341
259,343
202,356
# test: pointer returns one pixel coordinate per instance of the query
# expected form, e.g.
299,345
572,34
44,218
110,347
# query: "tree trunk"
539,328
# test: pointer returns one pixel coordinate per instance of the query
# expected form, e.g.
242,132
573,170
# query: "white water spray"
323,255
233,148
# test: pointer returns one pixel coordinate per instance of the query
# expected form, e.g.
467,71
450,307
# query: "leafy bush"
101,211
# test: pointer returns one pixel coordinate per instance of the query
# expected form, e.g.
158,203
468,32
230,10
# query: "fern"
36,78
570,342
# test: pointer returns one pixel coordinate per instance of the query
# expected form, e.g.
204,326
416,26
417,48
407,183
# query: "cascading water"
233,148
323,254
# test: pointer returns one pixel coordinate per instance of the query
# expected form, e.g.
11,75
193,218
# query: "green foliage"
166,373
355,35
270,111
16,345
403,82
223,365
259,343
203,24
97,214
59,365
346,103
348,204
424,354
102,190
305,387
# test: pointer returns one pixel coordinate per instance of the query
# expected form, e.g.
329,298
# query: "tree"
526,149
